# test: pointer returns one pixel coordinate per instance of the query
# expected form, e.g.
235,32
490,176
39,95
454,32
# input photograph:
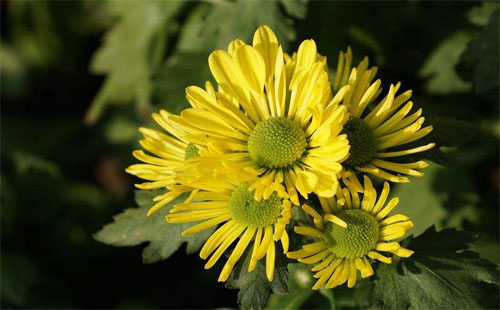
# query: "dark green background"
62,173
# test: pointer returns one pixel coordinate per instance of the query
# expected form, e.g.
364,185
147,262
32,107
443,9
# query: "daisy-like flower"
215,201
273,117
377,132
350,233
169,153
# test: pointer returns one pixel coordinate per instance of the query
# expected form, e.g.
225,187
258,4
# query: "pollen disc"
251,213
277,142
360,236
362,142
191,151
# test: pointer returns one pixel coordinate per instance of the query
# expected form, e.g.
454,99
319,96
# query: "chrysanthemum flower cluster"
273,134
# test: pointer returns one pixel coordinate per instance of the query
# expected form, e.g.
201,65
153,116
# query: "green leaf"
442,274
240,19
439,68
419,201
133,227
450,132
363,293
446,132
480,61
254,286
132,48
487,248
459,195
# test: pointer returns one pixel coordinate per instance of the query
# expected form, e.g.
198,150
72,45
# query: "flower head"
350,232
214,202
376,135
273,117
169,153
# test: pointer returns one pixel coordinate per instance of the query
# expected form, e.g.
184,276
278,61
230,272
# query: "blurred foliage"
480,60
132,49
439,68
65,65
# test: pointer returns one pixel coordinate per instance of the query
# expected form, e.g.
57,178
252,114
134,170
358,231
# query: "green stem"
328,293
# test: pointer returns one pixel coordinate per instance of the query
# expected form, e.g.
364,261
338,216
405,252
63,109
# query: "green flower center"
276,143
360,236
191,151
251,213
362,141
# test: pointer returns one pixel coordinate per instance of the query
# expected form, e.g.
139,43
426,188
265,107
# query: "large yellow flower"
169,153
376,133
273,116
215,201
350,232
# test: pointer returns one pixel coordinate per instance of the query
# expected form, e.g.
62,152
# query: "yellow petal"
266,43
306,55
252,67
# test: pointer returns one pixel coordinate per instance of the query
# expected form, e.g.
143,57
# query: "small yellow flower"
215,201
273,117
169,154
350,232
373,132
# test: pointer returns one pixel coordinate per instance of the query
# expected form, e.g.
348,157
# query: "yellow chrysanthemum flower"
351,231
216,201
273,117
372,132
169,153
